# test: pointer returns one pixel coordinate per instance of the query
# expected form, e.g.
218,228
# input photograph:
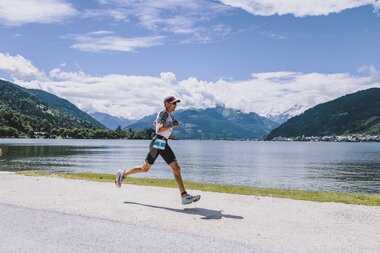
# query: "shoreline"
327,139
315,196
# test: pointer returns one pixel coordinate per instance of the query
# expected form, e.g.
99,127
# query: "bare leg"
177,176
138,169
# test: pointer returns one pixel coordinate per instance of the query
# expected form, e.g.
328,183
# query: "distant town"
334,138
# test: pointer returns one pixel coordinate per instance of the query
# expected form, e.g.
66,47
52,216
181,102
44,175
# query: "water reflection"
26,157
351,167
350,176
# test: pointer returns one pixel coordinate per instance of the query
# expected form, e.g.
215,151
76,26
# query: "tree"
45,125
8,132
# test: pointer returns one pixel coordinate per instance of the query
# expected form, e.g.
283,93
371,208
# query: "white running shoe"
119,178
188,199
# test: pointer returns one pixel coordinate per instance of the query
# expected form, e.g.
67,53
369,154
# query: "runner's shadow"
206,213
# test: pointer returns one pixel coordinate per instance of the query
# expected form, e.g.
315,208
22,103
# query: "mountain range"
30,110
214,123
111,122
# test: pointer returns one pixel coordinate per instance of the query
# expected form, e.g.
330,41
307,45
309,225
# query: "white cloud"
34,11
179,17
119,15
372,71
207,35
272,35
137,96
19,68
101,33
298,8
168,14
377,5
105,41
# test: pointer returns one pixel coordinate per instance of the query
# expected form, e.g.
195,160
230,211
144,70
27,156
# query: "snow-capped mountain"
281,117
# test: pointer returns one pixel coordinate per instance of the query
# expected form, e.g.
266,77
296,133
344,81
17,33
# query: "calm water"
349,167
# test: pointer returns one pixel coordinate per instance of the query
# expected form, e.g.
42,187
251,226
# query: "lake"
322,166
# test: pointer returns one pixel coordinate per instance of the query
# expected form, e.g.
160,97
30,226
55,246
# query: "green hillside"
357,113
64,105
23,112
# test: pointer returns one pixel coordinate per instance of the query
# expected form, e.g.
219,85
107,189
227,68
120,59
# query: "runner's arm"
162,127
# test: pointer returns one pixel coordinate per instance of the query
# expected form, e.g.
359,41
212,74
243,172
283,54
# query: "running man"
159,146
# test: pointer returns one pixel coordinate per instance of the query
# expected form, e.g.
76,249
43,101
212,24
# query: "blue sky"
254,55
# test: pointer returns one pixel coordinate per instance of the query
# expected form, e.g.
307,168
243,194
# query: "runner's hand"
175,122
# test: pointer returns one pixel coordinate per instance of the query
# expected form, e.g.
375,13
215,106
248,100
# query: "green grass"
341,197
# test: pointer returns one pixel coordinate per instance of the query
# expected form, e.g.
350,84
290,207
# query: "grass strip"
316,196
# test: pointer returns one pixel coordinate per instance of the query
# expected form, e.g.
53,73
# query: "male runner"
159,146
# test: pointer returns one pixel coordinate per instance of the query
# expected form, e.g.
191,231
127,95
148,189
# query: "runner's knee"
176,170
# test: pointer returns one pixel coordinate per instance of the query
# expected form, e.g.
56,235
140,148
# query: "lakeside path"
85,216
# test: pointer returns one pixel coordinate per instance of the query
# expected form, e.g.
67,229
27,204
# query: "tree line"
17,125
78,133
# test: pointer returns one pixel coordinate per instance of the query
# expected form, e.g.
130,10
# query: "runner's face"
171,106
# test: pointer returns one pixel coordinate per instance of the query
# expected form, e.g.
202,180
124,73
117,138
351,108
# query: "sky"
124,57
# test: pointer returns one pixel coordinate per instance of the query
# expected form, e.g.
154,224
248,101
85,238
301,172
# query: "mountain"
214,123
284,116
64,105
111,122
353,113
22,110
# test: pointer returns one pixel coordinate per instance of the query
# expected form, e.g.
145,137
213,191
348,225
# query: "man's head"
170,103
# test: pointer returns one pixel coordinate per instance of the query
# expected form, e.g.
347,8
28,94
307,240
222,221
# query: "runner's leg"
177,176
138,169
149,161
171,160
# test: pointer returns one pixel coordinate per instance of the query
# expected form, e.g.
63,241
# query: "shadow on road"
206,214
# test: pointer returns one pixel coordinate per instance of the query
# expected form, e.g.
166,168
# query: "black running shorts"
167,153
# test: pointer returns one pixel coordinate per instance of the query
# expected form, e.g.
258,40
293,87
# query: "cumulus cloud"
106,41
137,96
298,8
20,68
34,11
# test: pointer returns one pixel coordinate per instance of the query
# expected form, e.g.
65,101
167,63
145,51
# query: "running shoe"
188,199
119,178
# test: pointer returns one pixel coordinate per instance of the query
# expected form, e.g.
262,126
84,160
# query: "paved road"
30,230
57,214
